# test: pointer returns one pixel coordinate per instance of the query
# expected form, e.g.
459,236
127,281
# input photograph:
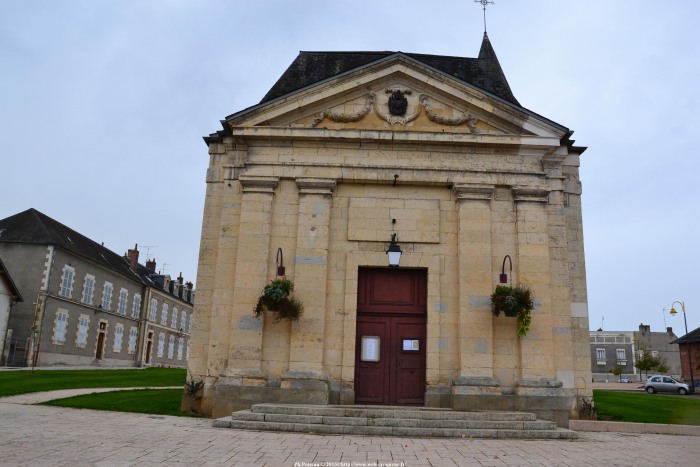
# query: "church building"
350,159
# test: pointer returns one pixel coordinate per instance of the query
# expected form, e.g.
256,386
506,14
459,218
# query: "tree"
648,362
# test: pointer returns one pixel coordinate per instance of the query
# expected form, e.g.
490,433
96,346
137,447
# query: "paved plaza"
53,436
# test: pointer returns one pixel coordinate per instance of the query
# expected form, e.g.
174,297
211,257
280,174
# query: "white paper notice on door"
411,344
370,349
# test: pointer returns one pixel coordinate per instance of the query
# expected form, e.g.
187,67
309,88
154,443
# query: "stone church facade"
347,152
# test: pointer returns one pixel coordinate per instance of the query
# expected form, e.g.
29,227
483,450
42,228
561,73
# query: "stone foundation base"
547,403
228,398
557,409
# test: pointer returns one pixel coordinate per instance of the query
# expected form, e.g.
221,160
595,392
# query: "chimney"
189,285
669,330
133,256
180,279
151,265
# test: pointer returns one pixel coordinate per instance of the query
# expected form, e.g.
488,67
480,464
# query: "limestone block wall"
331,207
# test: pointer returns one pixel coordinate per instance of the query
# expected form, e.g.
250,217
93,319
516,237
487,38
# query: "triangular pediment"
396,94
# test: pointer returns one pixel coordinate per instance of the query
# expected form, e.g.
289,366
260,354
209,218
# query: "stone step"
393,421
247,415
423,413
558,433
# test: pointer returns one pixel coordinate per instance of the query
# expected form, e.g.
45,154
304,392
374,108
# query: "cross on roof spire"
484,3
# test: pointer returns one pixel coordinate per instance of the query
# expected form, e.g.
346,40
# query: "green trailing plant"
514,302
276,298
193,387
586,408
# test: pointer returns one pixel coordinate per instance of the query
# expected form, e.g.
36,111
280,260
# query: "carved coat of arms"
398,103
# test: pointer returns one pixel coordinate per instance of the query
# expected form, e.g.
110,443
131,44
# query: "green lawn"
647,408
25,381
150,401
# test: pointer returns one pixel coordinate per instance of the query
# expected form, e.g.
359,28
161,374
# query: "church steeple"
488,55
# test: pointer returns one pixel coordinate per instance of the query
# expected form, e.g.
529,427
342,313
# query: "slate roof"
690,338
5,277
34,227
309,68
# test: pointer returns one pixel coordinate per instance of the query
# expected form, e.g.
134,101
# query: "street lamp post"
685,321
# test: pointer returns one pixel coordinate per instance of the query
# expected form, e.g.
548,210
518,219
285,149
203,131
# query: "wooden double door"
390,356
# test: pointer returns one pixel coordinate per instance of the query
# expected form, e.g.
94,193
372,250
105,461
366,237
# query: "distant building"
9,296
613,349
609,350
661,344
690,343
86,305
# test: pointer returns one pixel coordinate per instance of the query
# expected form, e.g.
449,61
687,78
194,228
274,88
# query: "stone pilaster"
537,350
474,280
306,370
245,350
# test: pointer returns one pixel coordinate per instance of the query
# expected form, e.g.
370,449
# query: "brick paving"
54,436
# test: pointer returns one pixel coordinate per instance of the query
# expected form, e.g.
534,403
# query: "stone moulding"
476,385
470,120
534,194
318,186
347,118
371,104
473,192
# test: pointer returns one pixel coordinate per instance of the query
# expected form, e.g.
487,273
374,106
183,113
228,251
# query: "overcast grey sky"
103,105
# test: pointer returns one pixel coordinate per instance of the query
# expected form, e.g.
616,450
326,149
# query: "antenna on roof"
484,3
148,250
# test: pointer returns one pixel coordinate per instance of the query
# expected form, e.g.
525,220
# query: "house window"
180,343
173,322
621,354
83,323
154,309
123,296
107,295
59,329
161,344
171,346
187,352
132,340
183,320
164,315
600,356
190,325
88,289
136,308
67,282
118,336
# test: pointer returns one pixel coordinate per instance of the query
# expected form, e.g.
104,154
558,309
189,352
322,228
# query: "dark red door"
390,342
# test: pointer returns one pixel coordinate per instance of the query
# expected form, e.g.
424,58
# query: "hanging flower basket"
275,298
515,302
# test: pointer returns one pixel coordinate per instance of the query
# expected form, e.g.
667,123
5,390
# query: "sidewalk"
39,397
56,436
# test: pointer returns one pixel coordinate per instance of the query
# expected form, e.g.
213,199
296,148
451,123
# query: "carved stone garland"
371,104
347,118
470,120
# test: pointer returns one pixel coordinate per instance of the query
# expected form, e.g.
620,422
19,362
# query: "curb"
639,428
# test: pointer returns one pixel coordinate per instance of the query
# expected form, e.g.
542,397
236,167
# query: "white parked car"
660,383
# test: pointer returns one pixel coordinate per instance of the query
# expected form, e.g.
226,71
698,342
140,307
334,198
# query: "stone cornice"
416,137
